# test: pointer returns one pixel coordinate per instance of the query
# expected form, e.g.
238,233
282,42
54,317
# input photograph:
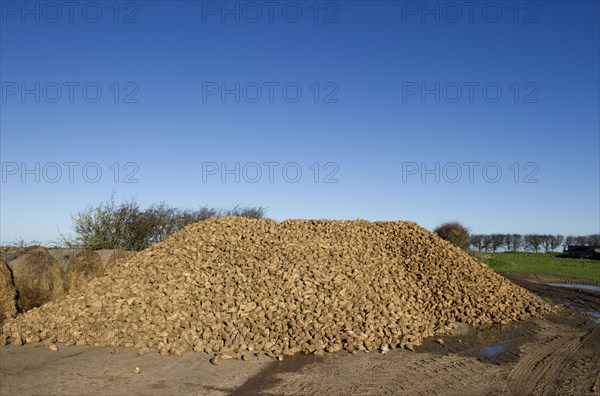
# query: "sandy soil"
554,355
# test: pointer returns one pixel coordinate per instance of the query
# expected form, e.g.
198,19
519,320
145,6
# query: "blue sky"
408,110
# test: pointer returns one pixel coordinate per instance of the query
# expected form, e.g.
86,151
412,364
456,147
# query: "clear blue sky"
376,124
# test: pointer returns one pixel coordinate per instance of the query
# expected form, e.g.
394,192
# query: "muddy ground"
557,355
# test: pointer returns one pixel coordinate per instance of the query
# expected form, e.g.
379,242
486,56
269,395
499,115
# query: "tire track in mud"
398,373
557,358
561,359
535,369
582,375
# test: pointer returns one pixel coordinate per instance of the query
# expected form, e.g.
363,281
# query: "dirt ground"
557,355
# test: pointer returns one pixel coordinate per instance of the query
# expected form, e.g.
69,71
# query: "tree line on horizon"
529,242
459,235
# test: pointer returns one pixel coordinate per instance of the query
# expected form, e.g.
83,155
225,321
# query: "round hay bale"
64,256
38,279
118,255
10,256
84,267
8,307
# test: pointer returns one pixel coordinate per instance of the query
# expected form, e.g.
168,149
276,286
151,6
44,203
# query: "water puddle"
595,314
576,286
585,310
493,350
581,305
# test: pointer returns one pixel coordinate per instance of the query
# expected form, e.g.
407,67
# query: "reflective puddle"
576,286
493,350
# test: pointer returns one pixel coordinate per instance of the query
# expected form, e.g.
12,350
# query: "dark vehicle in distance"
582,251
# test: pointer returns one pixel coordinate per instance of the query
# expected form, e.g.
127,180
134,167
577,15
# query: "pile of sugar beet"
229,286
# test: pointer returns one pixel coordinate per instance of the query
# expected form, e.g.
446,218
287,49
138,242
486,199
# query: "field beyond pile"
238,285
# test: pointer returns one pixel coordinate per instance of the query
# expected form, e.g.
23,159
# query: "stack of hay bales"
83,267
8,308
38,279
65,256
235,285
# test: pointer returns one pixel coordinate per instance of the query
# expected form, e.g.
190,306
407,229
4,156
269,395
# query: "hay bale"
38,279
10,256
64,256
84,267
118,255
8,308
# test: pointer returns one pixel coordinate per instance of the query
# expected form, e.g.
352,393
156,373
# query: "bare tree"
556,241
512,242
476,241
507,241
551,242
496,241
593,239
546,242
486,242
533,242
517,242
